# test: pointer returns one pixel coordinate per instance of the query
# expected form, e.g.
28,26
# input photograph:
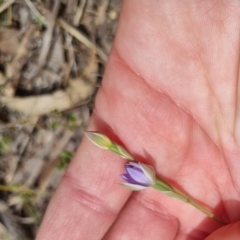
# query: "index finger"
88,198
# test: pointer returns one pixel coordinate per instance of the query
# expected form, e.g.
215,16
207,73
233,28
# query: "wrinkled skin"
170,96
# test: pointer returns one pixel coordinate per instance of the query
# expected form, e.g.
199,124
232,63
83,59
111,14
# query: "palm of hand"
170,94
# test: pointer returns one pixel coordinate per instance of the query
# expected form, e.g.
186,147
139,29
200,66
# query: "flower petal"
126,177
148,172
124,153
133,187
138,175
134,164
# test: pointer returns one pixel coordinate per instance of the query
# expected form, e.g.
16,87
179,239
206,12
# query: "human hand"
170,96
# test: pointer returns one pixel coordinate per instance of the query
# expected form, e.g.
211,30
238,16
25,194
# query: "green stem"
114,148
204,210
168,190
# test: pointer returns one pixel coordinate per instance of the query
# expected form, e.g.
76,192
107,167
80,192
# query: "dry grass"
52,57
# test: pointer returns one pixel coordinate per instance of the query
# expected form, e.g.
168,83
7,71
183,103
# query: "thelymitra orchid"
139,176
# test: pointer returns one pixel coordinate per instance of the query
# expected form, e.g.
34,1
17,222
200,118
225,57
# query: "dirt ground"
52,59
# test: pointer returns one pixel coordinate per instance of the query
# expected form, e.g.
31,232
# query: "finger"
229,232
88,198
143,218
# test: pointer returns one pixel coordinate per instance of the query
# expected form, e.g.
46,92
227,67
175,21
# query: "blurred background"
52,59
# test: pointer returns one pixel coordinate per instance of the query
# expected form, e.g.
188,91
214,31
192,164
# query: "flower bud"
99,139
138,176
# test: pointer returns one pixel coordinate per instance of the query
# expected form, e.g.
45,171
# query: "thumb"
229,232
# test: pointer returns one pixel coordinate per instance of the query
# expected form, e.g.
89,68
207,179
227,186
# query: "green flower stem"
168,190
162,186
114,148
120,151
104,142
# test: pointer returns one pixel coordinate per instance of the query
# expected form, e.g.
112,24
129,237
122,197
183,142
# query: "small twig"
80,37
101,12
48,171
35,11
16,189
48,37
13,71
71,66
79,13
9,16
76,92
6,5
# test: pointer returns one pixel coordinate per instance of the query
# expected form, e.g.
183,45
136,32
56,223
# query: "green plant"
5,142
65,158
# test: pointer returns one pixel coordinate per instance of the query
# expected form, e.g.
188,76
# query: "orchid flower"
140,176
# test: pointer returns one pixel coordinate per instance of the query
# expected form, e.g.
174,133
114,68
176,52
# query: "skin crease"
170,95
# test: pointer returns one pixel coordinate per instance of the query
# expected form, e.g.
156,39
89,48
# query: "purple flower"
138,176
